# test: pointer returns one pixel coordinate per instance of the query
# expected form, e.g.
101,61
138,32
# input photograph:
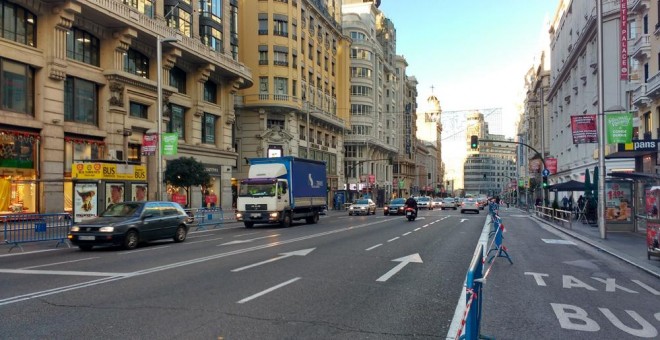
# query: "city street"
345,277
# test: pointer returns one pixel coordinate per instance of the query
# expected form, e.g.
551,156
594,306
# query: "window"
208,128
263,26
210,92
17,24
263,55
294,86
358,36
301,132
273,124
361,130
233,29
360,72
360,53
211,9
359,90
263,87
280,27
136,63
361,110
281,88
179,19
139,110
82,46
145,7
16,86
177,120
178,79
211,37
80,101
280,58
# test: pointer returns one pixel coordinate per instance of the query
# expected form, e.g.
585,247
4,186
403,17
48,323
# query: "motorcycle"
411,214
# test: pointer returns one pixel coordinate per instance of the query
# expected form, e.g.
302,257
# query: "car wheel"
180,234
312,219
131,240
248,224
286,220
462,211
385,213
85,247
455,208
350,214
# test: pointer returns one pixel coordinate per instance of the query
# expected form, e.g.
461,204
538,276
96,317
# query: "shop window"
17,82
80,101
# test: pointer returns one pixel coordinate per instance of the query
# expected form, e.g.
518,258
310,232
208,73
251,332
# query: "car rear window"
362,202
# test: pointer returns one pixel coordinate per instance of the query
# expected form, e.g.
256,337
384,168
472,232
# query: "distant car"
424,203
129,223
395,207
448,203
363,206
436,202
470,204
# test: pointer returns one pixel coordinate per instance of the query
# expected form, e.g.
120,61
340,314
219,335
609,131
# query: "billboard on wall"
584,129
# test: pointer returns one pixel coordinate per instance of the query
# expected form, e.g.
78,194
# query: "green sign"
402,184
170,144
619,127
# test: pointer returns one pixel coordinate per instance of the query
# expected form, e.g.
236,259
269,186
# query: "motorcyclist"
411,203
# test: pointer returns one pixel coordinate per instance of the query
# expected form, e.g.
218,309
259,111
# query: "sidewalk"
627,246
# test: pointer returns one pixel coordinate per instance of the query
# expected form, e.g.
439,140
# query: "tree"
185,172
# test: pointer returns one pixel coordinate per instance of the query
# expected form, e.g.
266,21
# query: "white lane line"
246,234
31,252
390,240
209,240
268,290
61,272
408,233
374,247
126,252
56,263
417,229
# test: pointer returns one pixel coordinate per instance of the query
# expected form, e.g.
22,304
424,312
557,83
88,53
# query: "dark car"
129,223
395,207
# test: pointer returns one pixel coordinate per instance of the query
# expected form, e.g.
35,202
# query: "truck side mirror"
284,187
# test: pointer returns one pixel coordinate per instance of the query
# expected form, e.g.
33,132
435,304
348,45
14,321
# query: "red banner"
179,198
149,144
584,129
624,39
551,165
372,179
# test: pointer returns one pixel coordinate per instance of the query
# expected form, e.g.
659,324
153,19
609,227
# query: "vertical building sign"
623,39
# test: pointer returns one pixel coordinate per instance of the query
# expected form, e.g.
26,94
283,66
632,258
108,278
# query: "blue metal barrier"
22,228
208,217
473,284
497,242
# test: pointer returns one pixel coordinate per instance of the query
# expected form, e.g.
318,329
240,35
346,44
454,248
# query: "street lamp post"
159,69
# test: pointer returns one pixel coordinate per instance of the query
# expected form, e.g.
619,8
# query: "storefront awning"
638,176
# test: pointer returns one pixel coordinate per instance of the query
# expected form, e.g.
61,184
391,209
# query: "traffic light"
474,141
545,182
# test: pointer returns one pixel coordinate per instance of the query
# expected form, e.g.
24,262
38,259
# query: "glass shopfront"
18,171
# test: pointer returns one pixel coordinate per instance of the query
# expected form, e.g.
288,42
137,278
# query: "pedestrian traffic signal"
474,141
545,182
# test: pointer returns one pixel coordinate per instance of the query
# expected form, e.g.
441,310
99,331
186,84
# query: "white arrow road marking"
268,290
404,261
283,256
248,241
463,220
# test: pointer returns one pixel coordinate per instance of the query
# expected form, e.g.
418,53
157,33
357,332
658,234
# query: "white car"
424,203
363,206
448,203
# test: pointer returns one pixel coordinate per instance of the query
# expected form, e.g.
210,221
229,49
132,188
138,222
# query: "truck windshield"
257,190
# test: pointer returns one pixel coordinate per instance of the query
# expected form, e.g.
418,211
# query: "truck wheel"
313,219
286,220
248,224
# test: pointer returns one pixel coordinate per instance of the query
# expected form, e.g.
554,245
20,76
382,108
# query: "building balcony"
638,6
641,48
639,97
653,87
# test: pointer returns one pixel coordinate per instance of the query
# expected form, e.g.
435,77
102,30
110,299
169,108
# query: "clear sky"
475,53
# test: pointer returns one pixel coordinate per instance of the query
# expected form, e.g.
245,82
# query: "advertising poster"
149,144
584,129
170,144
139,191
619,127
618,202
114,193
653,235
85,201
551,164
650,203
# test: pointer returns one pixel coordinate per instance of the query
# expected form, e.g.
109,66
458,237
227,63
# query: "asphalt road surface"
358,277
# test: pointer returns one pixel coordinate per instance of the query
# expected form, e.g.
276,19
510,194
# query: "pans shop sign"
639,145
